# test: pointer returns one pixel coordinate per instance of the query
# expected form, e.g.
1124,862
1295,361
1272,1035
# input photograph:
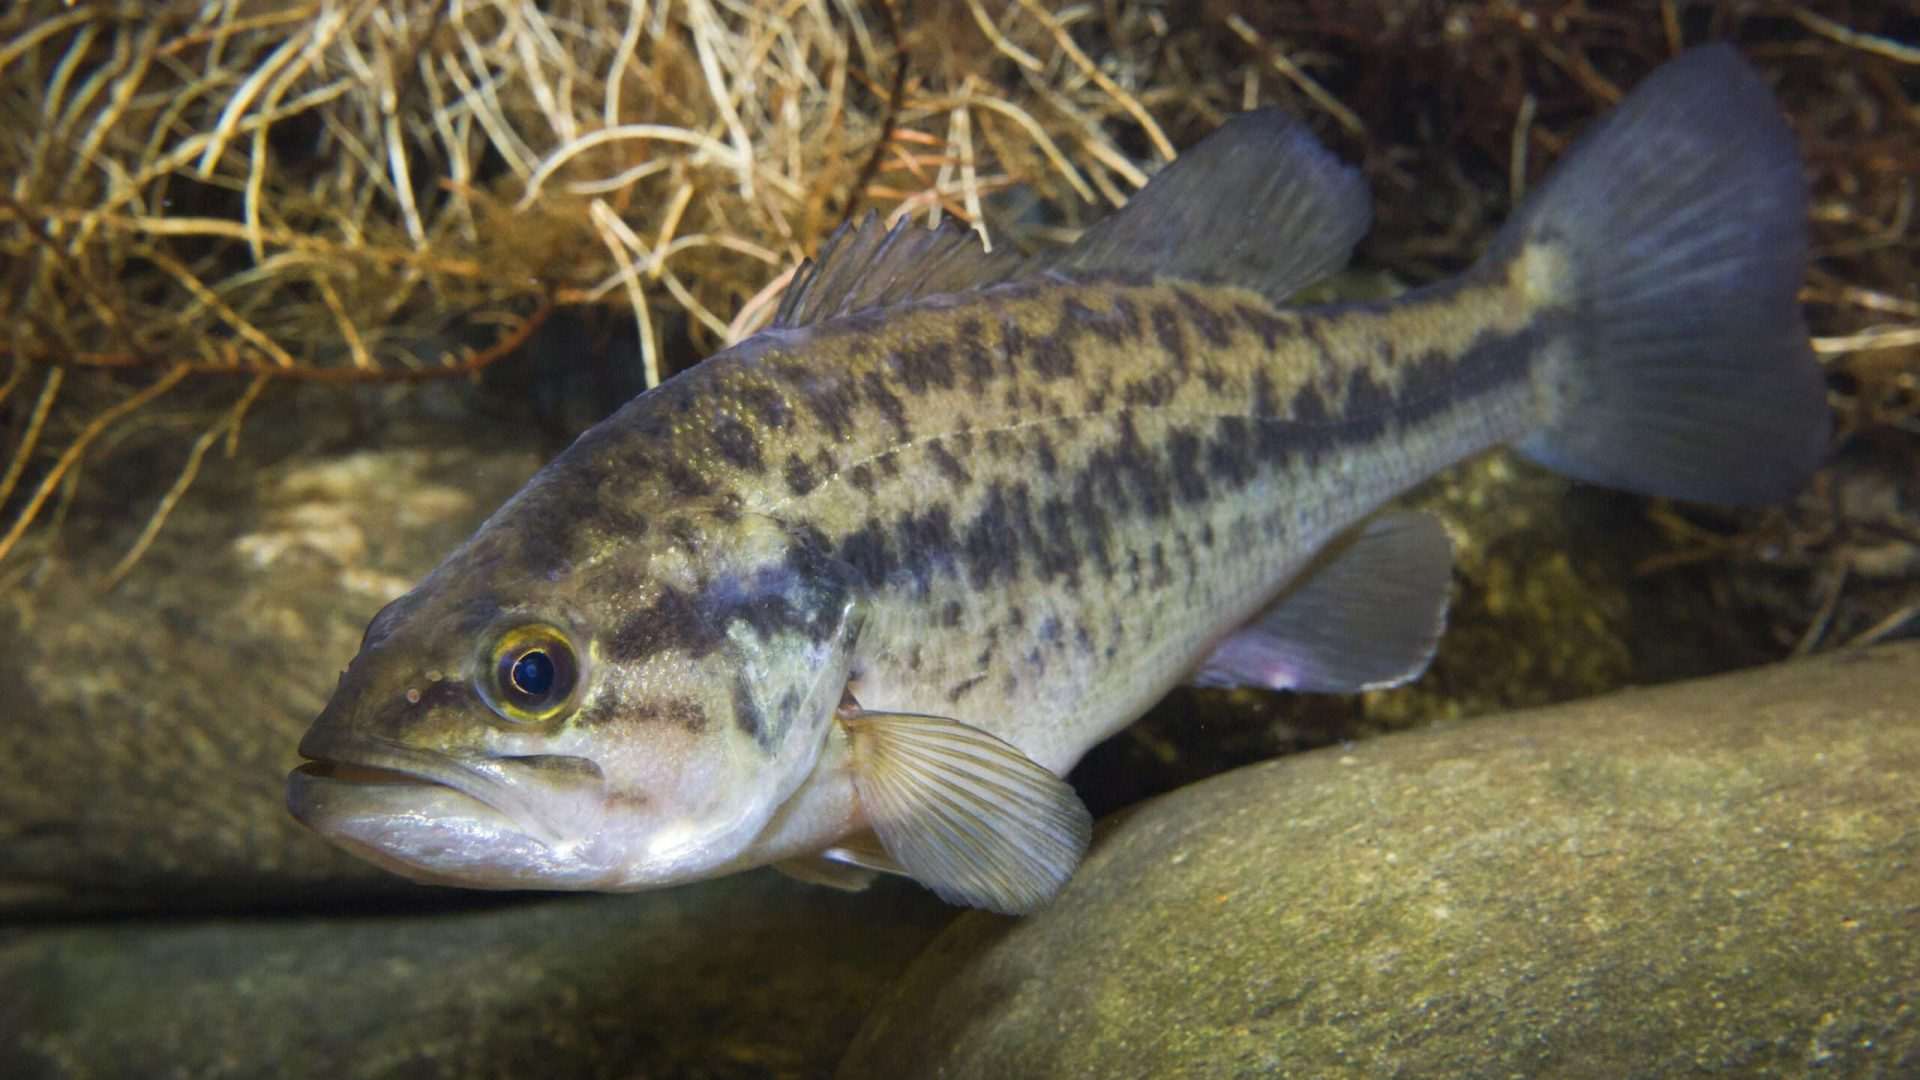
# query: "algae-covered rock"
1716,877
752,976
148,728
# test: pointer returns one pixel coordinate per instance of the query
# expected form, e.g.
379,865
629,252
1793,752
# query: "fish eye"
534,673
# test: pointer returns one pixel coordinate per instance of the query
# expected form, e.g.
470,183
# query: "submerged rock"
751,976
149,728
1720,876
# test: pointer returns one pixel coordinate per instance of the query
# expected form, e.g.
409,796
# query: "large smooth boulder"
1715,877
146,730
749,976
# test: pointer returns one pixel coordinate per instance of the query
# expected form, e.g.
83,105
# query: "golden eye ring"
533,673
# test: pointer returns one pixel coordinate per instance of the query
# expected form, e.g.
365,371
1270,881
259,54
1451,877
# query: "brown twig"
228,424
78,447
466,365
895,87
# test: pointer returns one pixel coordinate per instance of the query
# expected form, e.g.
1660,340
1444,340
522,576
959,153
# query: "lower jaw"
423,831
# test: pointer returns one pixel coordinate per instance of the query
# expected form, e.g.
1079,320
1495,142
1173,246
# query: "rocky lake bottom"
1708,876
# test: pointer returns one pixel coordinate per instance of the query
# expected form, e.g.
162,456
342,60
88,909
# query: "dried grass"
235,194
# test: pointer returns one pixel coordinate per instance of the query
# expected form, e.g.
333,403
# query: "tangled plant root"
240,194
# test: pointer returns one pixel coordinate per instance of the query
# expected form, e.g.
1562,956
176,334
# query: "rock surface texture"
750,976
1719,877
147,731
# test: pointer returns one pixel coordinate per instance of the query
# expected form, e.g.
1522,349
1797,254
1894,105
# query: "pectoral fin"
1367,615
964,813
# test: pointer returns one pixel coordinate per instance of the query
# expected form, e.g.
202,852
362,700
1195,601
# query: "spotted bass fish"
852,595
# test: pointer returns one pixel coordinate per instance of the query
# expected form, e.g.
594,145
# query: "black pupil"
533,673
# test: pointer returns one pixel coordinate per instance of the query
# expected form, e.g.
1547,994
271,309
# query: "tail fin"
1680,220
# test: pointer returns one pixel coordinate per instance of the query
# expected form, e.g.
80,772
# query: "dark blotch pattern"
963,687
1211,325
1172,339
768,405
685,481
881,397
799,475
865,551
662,711
978,361
747,715
1043,454
805,595
924,367
949,466
1269,326
828,395
672,622
737,443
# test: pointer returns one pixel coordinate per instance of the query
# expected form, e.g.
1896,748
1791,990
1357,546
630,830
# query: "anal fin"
1367,615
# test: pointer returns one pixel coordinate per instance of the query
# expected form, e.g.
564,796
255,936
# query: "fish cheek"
662,730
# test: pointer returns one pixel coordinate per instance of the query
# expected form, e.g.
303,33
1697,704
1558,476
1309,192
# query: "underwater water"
160,905
1654,808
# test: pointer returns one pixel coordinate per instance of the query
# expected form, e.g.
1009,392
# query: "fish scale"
1202,536
851,596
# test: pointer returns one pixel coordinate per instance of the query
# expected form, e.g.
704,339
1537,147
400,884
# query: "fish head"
628,720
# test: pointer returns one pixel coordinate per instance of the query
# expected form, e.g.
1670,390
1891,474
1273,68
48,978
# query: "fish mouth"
441,820
360,774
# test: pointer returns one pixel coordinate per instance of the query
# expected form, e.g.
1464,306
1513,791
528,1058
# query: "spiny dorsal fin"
865,265
1258,203
1367,615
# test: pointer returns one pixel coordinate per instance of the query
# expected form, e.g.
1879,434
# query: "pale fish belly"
1046,570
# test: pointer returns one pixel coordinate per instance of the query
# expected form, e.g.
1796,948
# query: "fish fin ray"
823,869
865,265
1294,216
863,849
1685,368
964,813
1366,616
1258,203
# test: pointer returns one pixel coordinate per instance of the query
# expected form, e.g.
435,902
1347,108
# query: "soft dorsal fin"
865,265
1368,615
1258,203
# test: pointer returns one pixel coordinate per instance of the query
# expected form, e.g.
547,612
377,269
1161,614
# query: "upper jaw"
351,760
